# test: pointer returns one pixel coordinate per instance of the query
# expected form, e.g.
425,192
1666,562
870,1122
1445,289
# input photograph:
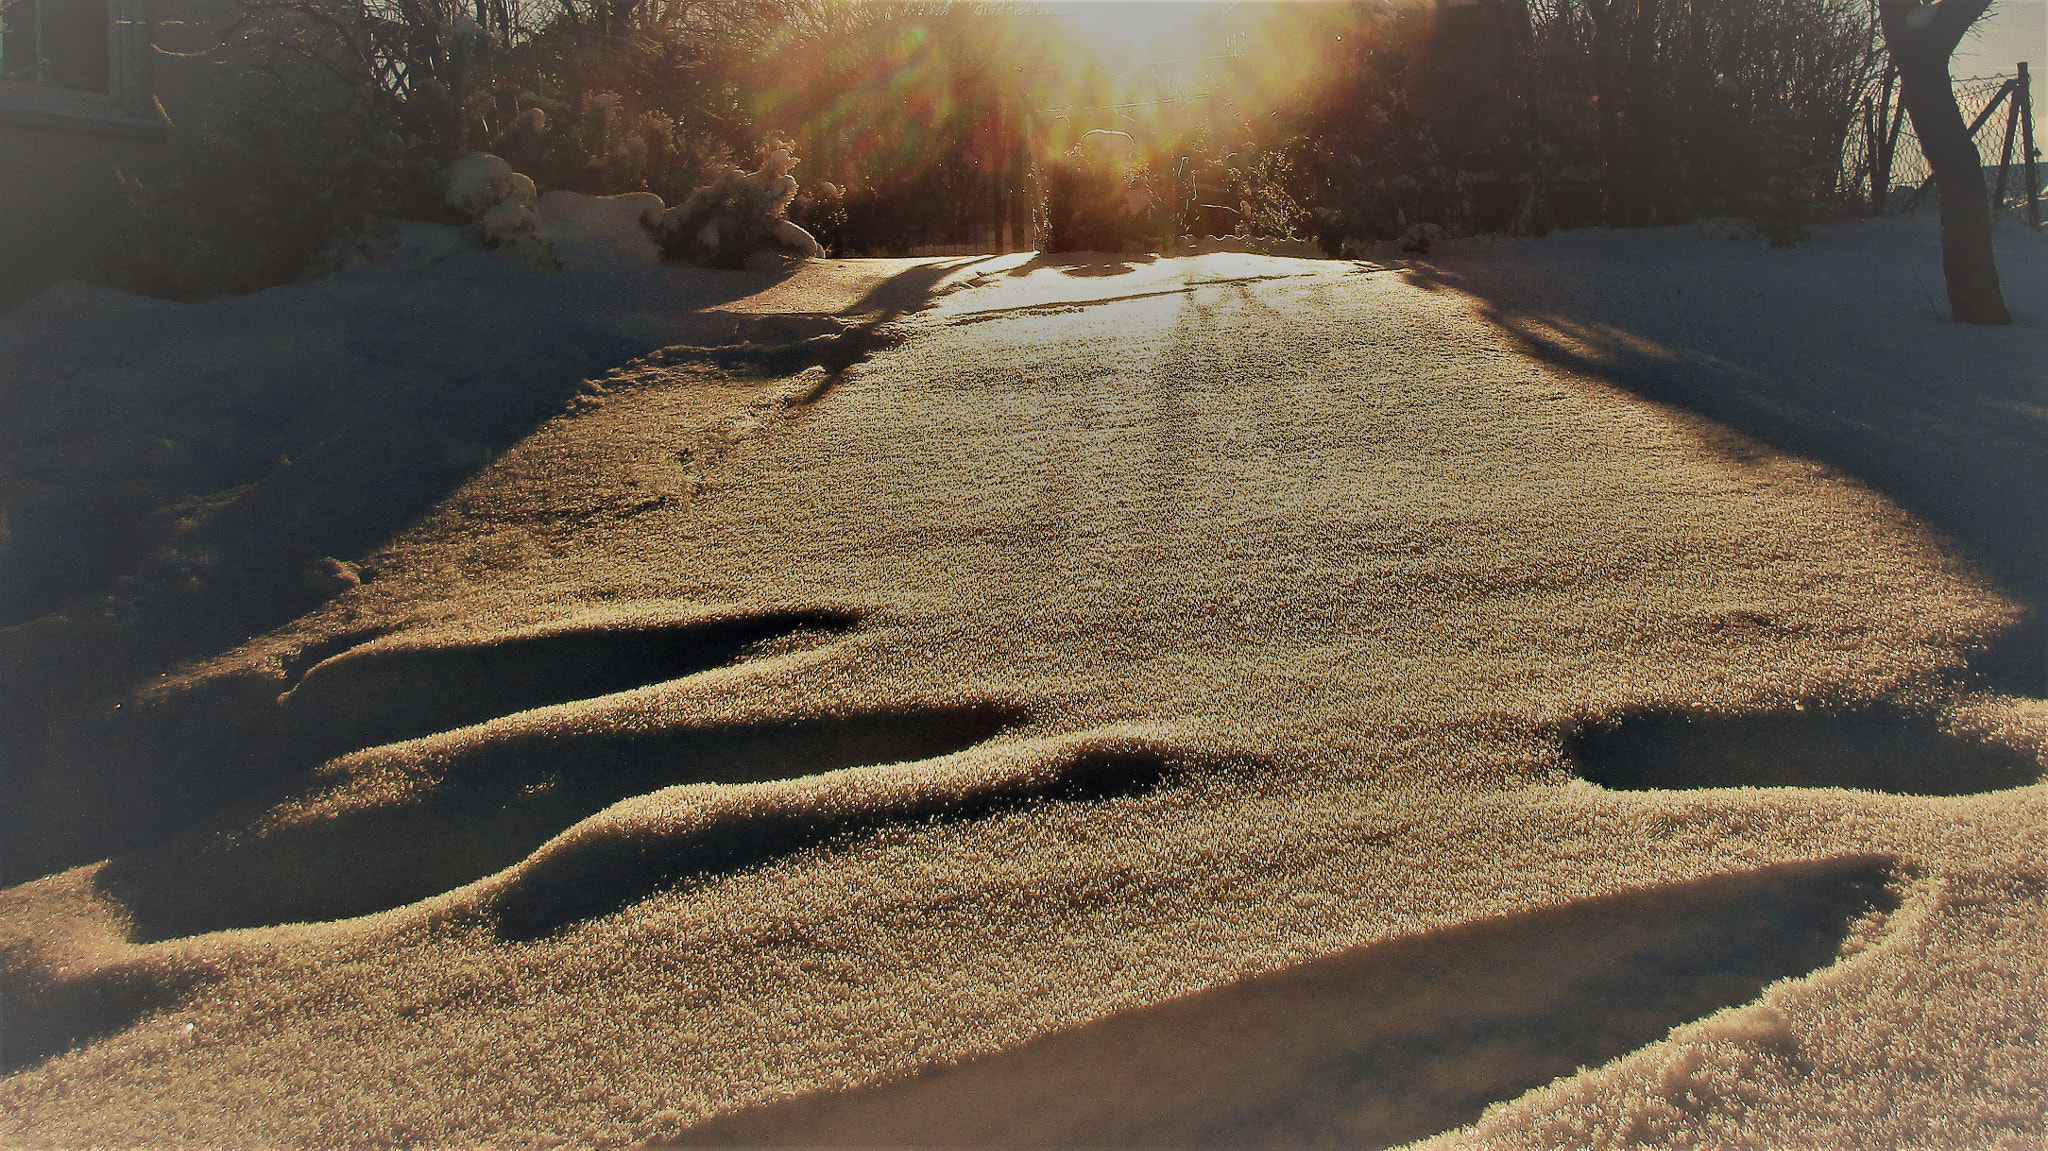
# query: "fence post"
2012,122
2025,97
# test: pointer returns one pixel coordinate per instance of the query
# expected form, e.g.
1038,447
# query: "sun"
1161,69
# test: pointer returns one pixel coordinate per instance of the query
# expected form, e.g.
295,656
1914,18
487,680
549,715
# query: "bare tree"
1703,107
1921,38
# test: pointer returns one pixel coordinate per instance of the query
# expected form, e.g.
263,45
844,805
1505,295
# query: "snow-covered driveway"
1170,686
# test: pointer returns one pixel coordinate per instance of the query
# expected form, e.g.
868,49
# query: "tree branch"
1908,24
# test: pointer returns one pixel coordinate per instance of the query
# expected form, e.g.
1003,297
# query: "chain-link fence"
1881,156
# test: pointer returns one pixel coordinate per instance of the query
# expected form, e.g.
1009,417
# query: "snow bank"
596,233
431,349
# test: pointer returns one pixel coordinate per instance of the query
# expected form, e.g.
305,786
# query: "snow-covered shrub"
723,224
498,201
1419,237
480,181
821,210
738,215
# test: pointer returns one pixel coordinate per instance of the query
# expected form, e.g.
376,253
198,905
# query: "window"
76,63
56,44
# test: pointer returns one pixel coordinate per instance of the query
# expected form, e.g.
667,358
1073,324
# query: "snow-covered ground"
1838,350
1222,699
176,476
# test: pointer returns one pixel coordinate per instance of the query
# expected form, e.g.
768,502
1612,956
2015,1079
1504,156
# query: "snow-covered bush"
821,209
738,215
497,200
723,224
480,181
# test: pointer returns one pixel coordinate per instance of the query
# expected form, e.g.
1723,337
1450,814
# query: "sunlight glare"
1124,34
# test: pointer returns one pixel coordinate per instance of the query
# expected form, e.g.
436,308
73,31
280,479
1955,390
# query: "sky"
2011,31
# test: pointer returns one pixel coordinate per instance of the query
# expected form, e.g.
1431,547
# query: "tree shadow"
908,290
1966,451
1372,1047
1086,263
888,301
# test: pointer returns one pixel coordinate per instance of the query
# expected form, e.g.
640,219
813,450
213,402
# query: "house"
91,90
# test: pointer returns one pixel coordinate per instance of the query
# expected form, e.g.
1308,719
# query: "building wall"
62,154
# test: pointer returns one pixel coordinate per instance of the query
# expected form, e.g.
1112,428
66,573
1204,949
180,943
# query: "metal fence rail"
1882,160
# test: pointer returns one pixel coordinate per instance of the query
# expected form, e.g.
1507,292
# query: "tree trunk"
1920,40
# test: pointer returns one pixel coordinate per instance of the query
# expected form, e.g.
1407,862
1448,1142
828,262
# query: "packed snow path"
1159,683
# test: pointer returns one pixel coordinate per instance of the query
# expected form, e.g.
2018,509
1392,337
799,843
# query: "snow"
1725,228
479,181
793,236
1159,666
1839,349
593,234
